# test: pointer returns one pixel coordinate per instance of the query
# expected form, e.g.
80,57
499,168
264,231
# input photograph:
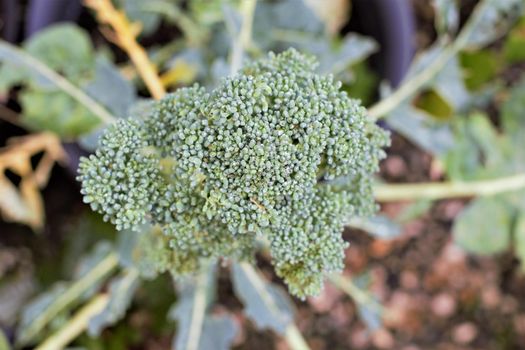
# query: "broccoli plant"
275,153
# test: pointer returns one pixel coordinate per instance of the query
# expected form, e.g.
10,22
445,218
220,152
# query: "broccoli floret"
255,157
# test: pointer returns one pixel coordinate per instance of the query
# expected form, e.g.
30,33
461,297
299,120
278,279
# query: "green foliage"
196,327
265,303
254,157
67,50
476,234
48,309
490,225
513,47
121,291
480,67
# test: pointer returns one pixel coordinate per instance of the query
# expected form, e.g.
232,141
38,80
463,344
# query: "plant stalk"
453,189
100,271
76,325
243,40
125,34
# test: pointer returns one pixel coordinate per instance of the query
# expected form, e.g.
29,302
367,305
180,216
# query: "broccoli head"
257,157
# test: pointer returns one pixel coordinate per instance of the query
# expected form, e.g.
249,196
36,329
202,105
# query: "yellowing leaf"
24,204
181,73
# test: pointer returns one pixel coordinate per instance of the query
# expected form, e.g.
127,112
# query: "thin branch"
19,57
125,34
76,325
454,189
346,285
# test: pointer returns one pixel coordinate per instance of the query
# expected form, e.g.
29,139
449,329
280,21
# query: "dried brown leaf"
23,203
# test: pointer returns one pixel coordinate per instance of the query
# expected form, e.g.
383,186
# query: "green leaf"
137,11
353,48
432,102
65,48
432,136
39,313
484,227
493,18
195,294
121,291
57,112
49,80
265,303
514,44
363,84
450,85
480,67
513,113
378,226
111,89
479,152
218,333
368,308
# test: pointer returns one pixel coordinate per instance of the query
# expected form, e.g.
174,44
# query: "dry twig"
124,33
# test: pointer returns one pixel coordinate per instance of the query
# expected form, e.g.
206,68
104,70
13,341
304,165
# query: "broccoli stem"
452,189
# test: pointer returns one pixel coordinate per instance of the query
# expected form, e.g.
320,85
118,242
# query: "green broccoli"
258,157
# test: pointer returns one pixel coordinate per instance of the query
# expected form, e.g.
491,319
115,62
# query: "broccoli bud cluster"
255,157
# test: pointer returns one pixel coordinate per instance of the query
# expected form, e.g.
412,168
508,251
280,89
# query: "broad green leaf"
137,11
450,85
418,127
51,67
479,152
126,242
515,42
363,83
38,306
65,48
431,102
195,295
484,227
218,333
57,112
39,313
111,89
513,113
368,307
49,81
493,18
266,304
353,48
378,226
480,67
121,291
